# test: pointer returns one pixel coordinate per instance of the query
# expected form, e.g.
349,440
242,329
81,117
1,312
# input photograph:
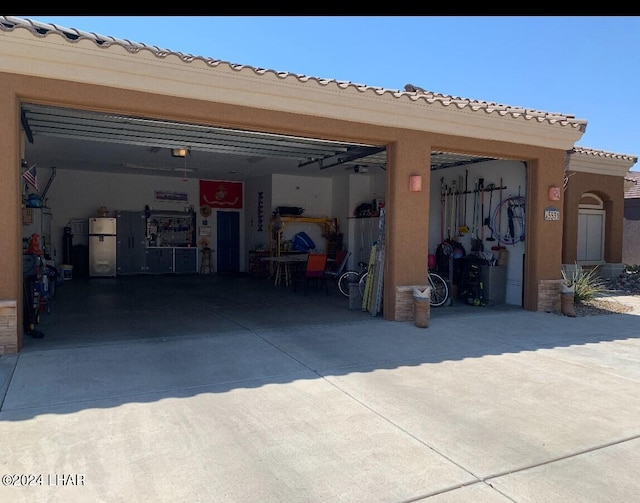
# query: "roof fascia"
587,163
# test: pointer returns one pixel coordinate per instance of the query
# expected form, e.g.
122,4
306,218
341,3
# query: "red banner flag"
218,194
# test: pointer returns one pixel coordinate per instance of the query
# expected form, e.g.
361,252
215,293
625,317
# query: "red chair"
314,271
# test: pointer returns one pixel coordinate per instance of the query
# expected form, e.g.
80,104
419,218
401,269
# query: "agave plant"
587,283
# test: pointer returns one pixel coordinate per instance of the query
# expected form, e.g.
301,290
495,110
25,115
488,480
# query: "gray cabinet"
135,232
131,242
159,260
185,260
494,283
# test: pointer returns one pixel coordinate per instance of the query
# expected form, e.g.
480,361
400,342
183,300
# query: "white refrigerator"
102,247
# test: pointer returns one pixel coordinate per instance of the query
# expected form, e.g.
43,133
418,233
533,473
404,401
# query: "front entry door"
590,237
228,241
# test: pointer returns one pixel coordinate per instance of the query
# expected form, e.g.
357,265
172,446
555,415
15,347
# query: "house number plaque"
551,213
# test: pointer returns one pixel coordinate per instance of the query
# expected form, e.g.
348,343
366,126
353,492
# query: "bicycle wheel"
439,289
347,278
362,283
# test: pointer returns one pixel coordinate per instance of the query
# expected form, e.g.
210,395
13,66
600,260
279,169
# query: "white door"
590,237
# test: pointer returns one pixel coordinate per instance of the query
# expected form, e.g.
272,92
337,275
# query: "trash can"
421,306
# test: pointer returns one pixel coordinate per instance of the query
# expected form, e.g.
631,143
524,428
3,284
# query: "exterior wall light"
415,183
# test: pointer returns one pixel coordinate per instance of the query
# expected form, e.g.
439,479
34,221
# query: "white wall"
257,223
340,204
80,194
312,194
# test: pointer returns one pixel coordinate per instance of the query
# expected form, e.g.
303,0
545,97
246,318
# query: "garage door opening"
124,168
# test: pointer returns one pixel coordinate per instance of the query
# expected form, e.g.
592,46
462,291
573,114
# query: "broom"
503,253
464,228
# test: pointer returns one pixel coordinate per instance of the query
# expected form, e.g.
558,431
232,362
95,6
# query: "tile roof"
414,93
602,153
634,191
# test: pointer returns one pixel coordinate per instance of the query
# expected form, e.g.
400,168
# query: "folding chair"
342,257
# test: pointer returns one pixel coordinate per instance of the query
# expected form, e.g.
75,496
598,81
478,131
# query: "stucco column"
407,217
10,223
571,200
543,244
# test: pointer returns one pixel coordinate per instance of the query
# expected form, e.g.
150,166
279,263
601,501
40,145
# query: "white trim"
591,195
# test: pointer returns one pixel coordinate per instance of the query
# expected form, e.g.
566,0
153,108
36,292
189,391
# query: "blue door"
228,241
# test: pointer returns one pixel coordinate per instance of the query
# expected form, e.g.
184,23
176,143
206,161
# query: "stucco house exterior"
529,153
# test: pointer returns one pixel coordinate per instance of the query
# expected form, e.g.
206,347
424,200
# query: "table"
283,266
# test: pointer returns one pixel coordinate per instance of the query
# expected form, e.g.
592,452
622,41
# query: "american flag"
31,177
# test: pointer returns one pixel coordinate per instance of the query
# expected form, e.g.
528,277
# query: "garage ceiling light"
179,152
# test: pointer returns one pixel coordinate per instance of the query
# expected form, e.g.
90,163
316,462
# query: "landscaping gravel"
624,284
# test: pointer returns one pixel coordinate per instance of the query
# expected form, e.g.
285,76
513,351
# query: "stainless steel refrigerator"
102,247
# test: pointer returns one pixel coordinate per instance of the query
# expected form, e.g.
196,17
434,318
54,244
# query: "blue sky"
583,66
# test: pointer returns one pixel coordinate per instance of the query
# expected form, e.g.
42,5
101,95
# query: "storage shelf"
275,235
169,228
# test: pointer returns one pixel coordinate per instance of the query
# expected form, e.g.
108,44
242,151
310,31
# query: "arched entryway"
592,218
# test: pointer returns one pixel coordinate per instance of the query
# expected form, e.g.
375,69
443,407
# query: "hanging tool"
476,242
446,211
481,186
442,208
46,188
451,210
498,216
487,221
475,207
462,226
510,215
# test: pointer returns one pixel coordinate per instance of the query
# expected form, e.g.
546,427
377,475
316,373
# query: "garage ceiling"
94,141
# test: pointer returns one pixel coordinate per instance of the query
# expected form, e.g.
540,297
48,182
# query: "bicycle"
439,289
351,277
439,286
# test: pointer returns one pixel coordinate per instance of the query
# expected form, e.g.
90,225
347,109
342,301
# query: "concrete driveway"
483,406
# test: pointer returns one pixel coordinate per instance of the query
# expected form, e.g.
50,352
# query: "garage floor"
87,311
